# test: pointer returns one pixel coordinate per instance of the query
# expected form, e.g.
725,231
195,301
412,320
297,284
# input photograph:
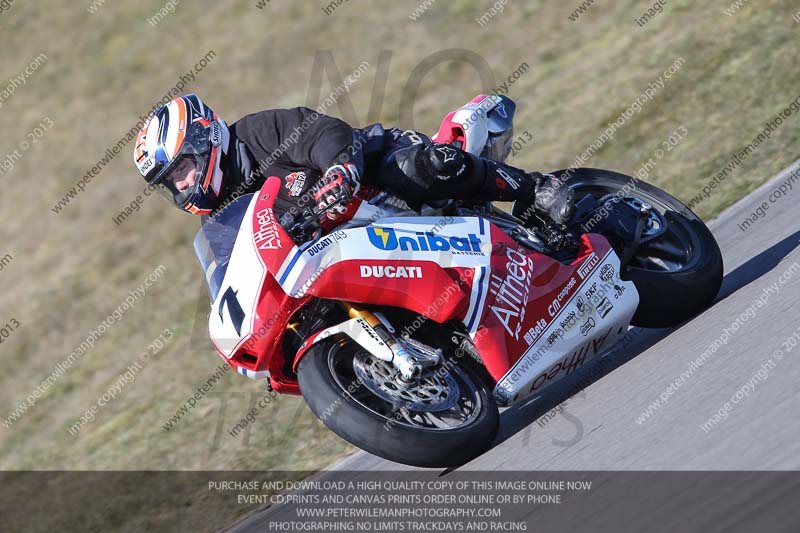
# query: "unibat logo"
387,239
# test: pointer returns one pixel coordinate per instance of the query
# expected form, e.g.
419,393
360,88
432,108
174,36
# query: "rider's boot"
550,198
485,179
442,171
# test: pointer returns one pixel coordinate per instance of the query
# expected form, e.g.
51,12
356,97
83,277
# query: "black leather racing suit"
299,144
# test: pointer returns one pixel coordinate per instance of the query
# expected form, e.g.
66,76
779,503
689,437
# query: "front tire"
333,383
671,288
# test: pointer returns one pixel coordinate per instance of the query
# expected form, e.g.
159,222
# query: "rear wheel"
445,417
678,272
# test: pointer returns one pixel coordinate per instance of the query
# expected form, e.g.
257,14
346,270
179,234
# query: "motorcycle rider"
200,163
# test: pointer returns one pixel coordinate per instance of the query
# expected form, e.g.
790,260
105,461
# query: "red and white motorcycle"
404,333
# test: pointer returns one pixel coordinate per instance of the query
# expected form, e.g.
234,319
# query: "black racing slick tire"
346,405
668,296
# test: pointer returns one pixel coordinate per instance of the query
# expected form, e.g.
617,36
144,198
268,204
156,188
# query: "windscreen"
214,242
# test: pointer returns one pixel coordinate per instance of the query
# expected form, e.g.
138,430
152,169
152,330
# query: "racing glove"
340,183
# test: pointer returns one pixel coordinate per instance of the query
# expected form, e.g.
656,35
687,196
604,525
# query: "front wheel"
678,273
444,418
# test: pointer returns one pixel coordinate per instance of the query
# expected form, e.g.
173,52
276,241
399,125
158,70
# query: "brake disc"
434,390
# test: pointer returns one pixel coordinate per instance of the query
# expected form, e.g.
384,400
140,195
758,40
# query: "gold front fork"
407,364
375,323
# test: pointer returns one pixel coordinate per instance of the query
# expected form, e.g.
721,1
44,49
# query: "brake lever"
311,218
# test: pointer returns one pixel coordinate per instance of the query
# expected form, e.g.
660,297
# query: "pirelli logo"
588,265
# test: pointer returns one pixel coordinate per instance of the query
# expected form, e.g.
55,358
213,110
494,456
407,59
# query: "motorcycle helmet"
178,152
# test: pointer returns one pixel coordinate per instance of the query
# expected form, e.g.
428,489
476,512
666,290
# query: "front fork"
408,356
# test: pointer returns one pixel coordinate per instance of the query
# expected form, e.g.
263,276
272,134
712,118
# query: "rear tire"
667,298
345,412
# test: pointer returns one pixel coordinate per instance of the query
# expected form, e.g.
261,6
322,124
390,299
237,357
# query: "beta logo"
536,331
387,239
389,271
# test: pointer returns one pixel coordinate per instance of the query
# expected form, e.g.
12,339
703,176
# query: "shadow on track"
757,266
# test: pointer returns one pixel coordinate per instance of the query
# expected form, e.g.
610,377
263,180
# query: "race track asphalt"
607,426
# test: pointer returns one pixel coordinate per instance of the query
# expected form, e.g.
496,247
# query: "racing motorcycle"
406,331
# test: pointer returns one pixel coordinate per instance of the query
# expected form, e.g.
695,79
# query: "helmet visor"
183,176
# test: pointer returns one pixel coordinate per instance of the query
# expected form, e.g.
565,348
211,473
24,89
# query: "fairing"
512,300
